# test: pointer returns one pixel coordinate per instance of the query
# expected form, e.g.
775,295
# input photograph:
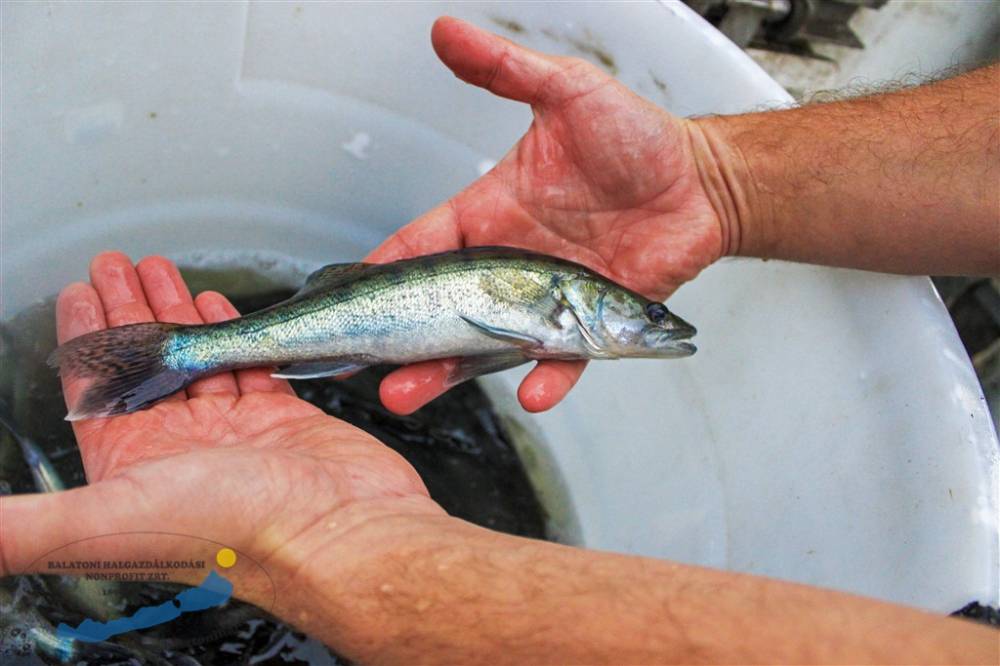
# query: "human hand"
602,177
363,560
237,459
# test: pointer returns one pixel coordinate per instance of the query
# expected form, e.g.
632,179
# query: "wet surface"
457,444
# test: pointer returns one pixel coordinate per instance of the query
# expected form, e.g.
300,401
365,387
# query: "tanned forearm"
437,590
905,182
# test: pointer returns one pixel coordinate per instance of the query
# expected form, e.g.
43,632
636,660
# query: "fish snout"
678,329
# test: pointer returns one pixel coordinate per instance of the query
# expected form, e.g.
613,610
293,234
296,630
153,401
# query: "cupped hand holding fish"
362,559
602,177
236,458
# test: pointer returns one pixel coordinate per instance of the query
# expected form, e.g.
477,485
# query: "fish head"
617,322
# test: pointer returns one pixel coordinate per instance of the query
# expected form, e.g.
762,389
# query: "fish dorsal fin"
330,276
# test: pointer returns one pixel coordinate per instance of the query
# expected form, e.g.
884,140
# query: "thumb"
107,522
34,525
499,65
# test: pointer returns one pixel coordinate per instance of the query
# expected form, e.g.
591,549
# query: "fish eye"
657,312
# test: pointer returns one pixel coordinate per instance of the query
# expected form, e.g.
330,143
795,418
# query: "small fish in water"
43,472
99,599
493,307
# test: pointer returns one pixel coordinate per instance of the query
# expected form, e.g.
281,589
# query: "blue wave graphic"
213,591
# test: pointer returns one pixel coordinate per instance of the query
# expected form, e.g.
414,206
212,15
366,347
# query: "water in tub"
478,463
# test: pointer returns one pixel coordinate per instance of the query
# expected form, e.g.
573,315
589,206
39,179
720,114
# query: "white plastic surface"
830,430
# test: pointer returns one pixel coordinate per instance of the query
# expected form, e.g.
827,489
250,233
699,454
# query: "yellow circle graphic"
226,557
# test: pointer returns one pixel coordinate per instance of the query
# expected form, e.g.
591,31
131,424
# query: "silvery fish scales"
495,308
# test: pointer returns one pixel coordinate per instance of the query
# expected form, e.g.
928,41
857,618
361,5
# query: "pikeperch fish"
493,307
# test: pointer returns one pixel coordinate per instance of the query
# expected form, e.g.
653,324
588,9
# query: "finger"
78,311
548,383
40,523
122,294
214,307
171,302
435,231
120,289
409,388
118,284
497,64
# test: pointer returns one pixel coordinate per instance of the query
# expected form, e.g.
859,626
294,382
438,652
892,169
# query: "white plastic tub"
830,430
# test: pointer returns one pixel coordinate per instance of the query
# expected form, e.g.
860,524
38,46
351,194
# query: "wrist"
328,578
731,186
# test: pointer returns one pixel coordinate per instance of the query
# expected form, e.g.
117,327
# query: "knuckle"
496,73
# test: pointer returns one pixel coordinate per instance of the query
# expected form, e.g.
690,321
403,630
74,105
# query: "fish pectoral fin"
504,334
470,367
318,369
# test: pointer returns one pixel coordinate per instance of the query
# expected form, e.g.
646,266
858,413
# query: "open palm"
236,459
601,177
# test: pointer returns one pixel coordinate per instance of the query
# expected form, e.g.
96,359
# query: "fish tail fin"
127,366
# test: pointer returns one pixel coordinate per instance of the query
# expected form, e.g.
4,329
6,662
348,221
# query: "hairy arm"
437,590
905,182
